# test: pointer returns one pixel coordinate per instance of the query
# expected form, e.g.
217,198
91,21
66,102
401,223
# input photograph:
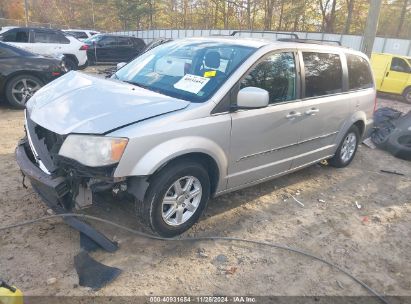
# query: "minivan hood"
80,103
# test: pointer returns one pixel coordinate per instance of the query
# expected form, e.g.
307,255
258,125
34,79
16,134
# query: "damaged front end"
68,183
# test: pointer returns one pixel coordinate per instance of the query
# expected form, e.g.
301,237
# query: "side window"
399,65
124,42
275,73
16,35
323,74
108,41
359,73
49,37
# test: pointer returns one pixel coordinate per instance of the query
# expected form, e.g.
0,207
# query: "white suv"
48,42
81,34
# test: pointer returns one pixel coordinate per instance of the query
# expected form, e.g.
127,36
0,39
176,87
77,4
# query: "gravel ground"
371,242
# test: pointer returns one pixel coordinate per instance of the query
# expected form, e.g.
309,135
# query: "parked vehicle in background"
6,28
392,74
113,48
23,73
193,119
48,42
81,34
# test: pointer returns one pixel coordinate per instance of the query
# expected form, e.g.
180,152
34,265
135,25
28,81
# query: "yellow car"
392,74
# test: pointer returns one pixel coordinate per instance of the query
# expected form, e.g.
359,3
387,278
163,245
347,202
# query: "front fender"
161,154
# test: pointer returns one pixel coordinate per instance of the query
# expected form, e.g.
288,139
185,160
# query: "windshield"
188,70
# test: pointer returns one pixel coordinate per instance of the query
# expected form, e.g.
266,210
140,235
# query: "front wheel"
407,95
175,199
20,89
347,149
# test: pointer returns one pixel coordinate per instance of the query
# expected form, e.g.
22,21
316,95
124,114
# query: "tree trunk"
402,17
350,9
281,16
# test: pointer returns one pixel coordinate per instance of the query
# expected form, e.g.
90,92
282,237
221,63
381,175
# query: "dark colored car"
112,48
23,73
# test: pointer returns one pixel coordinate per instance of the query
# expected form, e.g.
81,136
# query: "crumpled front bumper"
54,188
55,193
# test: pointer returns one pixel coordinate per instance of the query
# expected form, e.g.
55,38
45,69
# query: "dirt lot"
372,243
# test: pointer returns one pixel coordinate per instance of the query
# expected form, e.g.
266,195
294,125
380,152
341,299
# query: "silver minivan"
193,119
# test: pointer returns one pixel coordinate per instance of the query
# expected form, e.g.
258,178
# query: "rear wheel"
70,64
347,149
21,88
175,199
407,95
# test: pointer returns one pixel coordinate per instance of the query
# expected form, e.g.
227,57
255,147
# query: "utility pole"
92,9
26,12
370,30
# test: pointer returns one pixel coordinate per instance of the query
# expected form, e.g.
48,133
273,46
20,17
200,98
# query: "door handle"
388,73
312,111
293,114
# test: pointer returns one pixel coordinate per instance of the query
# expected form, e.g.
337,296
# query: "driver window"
276,74
399,65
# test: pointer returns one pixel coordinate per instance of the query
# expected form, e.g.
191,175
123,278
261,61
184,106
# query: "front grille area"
53,141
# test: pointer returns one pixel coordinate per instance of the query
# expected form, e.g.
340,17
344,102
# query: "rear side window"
124,41
400,65
16,35
78,35
49,37
323,74
359,73
275,74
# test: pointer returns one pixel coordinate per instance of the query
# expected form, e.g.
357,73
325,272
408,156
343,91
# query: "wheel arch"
199,149
406,89
23,72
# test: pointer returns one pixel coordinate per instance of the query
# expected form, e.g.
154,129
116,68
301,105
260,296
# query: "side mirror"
252,98
120,65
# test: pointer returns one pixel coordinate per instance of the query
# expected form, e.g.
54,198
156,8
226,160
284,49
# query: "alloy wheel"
181,200
24,89
348,147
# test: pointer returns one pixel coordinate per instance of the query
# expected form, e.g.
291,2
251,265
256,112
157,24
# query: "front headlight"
93,151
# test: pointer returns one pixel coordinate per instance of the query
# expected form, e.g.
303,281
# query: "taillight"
84,47
55,73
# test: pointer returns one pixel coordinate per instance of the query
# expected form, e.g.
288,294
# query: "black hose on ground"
202,238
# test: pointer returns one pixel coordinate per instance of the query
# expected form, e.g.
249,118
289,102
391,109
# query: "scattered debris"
49,212
201,253
297,200
51,281
340,284
365,219
358,205
368,142
231,270
392,172
321,200
221,258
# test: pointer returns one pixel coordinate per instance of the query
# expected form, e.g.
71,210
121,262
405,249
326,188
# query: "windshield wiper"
137,84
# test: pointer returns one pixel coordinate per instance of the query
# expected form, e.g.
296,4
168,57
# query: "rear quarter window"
359,73
323,74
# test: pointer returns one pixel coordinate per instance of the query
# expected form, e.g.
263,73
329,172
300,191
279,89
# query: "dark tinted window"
124,41
49,37
359,73
276,74
16,35
399,65
78,35
323,74
108,41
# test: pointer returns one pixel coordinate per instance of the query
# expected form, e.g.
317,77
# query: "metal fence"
381,44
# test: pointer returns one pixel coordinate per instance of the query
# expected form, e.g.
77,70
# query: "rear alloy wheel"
70,64
346,151
21,88
407,95
175,199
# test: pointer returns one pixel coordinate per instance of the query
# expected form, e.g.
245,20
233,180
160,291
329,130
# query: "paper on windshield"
191,83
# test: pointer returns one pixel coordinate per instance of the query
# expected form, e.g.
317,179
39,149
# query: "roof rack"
314,41
295,36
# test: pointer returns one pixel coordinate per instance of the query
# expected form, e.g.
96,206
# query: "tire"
19,89
407,95
399,144
70,64
160,217
347,149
